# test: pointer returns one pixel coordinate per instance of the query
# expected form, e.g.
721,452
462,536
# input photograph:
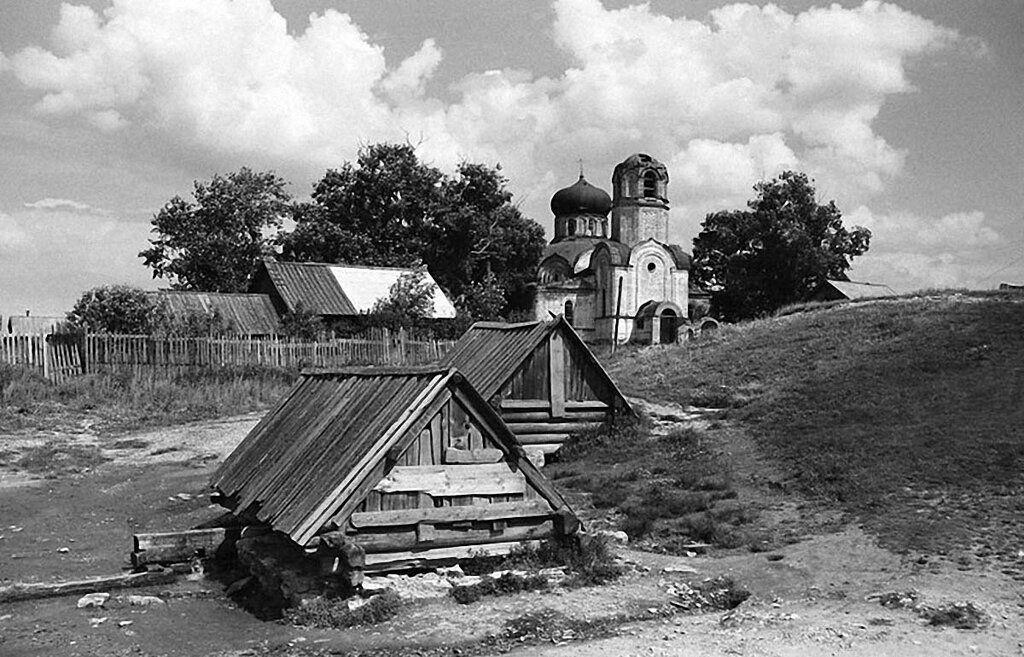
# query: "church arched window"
572,227
650,185
569,314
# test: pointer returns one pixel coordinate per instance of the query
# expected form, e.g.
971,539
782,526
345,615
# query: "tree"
119,309
391,209
410,299
213,242
777,252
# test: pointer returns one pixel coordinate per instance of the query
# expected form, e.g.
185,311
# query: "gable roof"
489,353
248,314
331,289
32,324
308,457
854,290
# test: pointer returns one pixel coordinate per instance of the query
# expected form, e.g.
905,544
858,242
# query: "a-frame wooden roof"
309,460
490,353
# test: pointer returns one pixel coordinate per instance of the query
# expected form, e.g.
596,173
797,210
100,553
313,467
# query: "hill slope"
908,412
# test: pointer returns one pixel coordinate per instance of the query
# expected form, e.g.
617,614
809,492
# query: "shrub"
507,584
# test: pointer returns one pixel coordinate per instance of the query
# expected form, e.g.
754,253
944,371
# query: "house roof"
32,325
304,463
330,289
854,290
248,314
490,353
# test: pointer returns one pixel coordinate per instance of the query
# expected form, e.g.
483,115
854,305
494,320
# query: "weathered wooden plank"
35,591
546,448
441,536
552,427
556,373
496,511
191,539
454,480
483,455
514,416
540,404
438,556
542,438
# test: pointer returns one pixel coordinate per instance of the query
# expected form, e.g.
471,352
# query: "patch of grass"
119,402
130,443
672,490
59,458
332,613
714,594
961,615
589,560
908,412
507,584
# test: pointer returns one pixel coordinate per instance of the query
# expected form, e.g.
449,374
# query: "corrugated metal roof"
329,289
310,284
307,456
854,290
490,353
248,314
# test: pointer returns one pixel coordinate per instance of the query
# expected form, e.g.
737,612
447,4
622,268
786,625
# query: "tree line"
390,209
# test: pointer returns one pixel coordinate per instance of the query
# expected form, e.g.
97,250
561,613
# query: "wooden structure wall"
409,464
542,377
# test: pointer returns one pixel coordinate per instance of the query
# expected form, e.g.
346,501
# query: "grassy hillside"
909,413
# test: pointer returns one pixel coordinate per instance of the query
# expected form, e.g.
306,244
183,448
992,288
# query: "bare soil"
810,593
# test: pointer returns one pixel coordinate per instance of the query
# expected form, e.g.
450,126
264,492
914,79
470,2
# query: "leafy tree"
302,324
212,242
120,309
390,209
777,252
410,299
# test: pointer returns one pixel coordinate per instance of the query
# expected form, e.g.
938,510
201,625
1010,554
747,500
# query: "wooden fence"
60,356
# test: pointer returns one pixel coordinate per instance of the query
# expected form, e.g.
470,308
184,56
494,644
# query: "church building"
623,281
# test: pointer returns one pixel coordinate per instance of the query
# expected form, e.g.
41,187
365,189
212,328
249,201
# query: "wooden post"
47,366
556,374
618,311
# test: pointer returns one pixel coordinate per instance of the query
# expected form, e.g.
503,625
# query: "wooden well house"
409,464
541,376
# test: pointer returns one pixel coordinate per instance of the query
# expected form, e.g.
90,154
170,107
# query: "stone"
93,600
144,600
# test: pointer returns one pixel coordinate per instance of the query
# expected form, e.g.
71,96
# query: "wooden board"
444,536
438,556
542,438
453,480
52,589
482,455
496,511
556,371
552,427
542,416
539,404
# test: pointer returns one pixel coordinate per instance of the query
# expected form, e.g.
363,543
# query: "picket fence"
61,356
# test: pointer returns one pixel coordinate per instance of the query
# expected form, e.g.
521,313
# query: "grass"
909,413
671,491
588,561
58,458
334,613
116,402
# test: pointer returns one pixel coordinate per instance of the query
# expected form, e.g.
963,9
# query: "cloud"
63,204
738,96
905,231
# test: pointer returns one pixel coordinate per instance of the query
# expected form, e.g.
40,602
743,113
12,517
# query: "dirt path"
809,597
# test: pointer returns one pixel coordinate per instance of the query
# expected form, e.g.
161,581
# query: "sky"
909,114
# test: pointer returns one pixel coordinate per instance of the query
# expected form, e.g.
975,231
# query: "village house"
249,315
334,292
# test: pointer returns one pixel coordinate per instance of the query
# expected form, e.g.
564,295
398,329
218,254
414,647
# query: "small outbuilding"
411,465
543,378
849,290
250,315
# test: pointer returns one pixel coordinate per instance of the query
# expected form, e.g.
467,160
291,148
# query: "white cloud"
905,231
12,235
725,101
63,204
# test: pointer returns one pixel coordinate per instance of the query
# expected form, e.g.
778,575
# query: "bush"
588,560
507,584
327,613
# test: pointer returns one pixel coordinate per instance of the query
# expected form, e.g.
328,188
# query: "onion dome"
581,198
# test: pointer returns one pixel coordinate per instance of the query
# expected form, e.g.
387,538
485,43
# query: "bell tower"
640,200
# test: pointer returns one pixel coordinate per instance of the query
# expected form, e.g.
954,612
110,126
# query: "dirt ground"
809,597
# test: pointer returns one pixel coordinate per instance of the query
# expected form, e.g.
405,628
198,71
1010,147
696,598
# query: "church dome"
581,198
